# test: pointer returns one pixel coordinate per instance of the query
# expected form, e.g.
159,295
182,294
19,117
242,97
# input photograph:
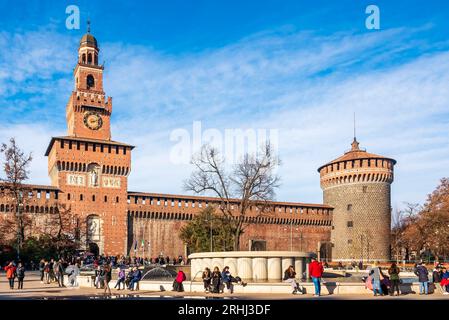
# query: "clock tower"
87,166
88,111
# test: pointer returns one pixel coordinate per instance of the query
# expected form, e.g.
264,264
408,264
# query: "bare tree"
15,166
251,182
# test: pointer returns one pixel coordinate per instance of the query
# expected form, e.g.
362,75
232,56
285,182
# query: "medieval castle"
89,173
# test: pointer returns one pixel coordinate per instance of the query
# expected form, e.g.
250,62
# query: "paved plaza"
33,289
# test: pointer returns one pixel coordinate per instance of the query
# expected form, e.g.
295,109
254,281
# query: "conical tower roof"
355,154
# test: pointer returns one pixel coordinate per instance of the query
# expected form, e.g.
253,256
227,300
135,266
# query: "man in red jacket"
316,272
10,273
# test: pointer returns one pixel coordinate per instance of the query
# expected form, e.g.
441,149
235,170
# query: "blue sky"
301,67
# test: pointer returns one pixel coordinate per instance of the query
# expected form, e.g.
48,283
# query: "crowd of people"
386,281
382,283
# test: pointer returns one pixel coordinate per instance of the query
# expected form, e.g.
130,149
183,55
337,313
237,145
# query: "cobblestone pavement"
33,289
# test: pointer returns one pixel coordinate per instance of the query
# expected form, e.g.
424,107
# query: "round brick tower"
357,185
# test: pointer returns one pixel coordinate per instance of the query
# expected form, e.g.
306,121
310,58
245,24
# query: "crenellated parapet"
356,166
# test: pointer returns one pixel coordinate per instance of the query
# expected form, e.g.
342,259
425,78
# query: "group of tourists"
384,284
130,280
51,271
121,260
13,272
216,281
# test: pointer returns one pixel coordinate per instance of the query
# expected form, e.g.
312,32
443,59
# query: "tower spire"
355,143
354,127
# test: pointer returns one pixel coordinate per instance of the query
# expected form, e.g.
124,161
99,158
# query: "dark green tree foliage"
197,232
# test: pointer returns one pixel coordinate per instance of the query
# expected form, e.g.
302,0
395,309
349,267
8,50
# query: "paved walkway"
33,289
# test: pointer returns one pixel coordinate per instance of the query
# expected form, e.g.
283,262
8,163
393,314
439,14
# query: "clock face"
93,121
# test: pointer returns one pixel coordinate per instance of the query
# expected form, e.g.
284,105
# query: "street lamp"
19,224
210,219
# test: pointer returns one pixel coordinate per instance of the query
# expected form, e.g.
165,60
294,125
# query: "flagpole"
143,243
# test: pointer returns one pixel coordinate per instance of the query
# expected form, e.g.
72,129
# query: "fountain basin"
251,265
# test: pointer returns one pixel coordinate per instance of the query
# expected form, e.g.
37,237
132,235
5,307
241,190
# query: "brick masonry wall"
159,218
369,211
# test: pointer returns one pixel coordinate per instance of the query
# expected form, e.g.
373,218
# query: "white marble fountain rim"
252,254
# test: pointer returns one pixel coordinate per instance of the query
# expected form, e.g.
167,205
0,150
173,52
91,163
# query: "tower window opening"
349,207
364,189
90,81
96,59
116,199
84,58
81,197
89,58
93,198
349,241
68,196
350,224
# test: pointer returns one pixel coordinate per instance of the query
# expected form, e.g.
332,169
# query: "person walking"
41,269
59,273
107,278
376,278
98,271
423,278
393,272
316,273
121,279
51,273
289,277
207,277
436,278
47,272
11,274
20,275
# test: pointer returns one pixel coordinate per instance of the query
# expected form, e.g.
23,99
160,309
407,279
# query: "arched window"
84,58
90,81
96,59
89,58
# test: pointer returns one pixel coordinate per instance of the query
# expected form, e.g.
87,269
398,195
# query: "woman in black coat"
216,280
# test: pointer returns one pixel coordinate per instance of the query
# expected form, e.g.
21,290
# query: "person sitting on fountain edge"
177,284
228,280
289,276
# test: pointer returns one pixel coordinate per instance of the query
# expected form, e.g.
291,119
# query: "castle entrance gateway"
93,235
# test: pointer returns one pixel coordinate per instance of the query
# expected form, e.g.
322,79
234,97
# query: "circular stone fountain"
251,265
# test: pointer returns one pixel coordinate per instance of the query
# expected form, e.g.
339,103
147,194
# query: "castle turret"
357,185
